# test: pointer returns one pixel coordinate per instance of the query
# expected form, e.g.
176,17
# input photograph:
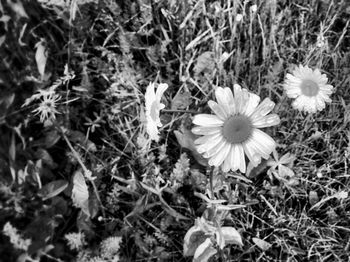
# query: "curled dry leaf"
204,252
41,57
52,189
186,139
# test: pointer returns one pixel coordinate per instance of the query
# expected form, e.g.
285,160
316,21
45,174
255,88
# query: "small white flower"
239,17
153,106
253,8
309,88
47,107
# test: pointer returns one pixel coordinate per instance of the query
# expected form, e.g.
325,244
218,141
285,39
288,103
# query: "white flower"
309,88
253,8
47,107
233,130
153,106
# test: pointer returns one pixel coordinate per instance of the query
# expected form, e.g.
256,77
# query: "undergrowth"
80,178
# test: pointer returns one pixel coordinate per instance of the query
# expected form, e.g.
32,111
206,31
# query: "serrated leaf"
186,140
41,58
80,192
181,100
204,251
262,244
52,189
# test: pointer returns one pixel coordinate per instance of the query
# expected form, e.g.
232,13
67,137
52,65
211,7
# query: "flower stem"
179,111
211,174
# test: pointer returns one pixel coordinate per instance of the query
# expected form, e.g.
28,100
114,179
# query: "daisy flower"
153,106
309,88
234,129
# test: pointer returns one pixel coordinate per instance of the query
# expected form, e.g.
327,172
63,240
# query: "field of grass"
82,176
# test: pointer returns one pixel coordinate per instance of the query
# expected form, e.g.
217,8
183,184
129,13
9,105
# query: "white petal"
150,96
217,159
205,130
216,149
266,121
263,143
224,99
251,153
241,162
263,109
207,120
218,110
237,157
160,90
210,144
226,165
207,138
252,103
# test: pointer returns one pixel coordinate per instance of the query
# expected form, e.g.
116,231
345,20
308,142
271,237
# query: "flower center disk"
237,129
309,87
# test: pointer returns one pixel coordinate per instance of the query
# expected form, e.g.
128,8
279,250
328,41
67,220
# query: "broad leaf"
52,189
193,238
204,251
262,244
80,193
229,236
181,101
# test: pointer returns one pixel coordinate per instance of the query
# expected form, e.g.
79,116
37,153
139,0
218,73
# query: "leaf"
186,140
181,100
313,198
285,171
205,63
193,238
45,157
12,148
52,189
262,244
79,137
230,236
204,251
80,193
17,7
41,58
51,138
94,205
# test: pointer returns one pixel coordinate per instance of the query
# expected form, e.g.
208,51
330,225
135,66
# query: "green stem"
179,111
211,183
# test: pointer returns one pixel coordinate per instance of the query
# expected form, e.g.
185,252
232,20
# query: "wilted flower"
234,129
309,88
153,106
47,107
